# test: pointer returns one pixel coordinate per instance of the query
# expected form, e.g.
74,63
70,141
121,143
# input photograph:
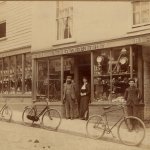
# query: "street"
18,137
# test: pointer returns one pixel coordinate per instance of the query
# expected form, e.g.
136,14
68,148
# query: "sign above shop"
94,46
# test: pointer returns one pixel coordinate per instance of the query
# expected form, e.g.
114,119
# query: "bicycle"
6,112
51,118
131,130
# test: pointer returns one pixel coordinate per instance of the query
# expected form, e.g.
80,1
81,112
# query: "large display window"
112,70
14,72
49,79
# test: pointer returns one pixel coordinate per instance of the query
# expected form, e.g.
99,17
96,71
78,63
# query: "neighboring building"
104,40
15,50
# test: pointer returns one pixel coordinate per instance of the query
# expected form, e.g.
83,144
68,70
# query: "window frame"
23,72
61,36
1,22
140,11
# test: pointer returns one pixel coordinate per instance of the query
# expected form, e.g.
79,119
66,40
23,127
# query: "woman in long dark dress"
84,99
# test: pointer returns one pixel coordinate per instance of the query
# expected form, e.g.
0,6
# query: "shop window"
49,76
54,79
68,67
141,12
12,77
112,70
64,20
42,82
2,29
12,72
28,73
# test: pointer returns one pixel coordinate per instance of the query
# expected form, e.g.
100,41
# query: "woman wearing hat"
84,99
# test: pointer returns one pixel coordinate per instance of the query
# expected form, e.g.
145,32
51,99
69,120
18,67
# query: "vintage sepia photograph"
75,75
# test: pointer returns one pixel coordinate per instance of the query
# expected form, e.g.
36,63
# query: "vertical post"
131,62
8,74
34,78
62,76
23,73
92,77
140,69
48,77
15,57
2,75
111,74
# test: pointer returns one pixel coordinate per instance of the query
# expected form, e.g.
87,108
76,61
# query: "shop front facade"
108,65
74,38
15,53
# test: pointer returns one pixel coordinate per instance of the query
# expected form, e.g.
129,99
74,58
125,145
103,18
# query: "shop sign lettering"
77,49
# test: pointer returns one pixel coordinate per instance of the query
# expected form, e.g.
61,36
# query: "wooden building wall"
18,19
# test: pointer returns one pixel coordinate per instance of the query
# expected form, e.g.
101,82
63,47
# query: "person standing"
69,98
133,99
84,99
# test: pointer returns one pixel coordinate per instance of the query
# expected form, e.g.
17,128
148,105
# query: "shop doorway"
83,69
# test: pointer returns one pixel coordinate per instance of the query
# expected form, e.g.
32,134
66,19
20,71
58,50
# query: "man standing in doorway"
69,98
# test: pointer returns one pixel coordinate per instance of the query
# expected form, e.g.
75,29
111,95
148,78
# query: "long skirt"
84,101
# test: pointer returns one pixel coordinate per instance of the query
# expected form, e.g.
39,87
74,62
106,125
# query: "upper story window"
64,18
2,29
141,12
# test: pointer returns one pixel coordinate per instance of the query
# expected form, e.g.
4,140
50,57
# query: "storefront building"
108,64
50,40
15,52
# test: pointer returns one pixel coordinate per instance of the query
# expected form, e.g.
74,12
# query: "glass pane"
42,82
65,17
101,75
54,80
19,74
28,73
6,76
120,72
12,77
145,16
136,6
144,6
136,18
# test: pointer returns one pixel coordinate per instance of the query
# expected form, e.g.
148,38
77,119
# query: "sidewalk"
78,127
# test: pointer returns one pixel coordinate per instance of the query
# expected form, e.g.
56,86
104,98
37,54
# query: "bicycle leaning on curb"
6,112
51,118
131,130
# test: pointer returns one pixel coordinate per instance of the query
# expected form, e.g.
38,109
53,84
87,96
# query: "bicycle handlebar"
42,99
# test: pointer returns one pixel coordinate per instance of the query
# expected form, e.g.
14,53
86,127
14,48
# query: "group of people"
70,98
132,96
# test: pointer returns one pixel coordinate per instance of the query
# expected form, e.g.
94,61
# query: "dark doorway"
84,66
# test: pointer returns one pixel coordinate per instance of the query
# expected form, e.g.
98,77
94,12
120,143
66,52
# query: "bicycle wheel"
131,131
51,119
28,111
95,127
7,113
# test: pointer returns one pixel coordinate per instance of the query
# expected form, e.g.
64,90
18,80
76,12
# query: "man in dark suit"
69,98
133,98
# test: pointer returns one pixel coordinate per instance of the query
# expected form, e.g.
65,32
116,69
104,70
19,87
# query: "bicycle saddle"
107,107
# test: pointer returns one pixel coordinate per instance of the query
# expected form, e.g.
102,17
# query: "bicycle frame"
43,110
3,107
108,129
